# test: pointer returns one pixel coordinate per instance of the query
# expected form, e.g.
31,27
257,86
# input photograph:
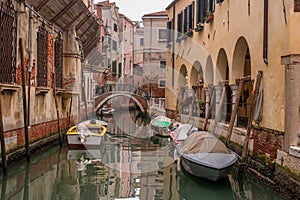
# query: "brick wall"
38,131
266,142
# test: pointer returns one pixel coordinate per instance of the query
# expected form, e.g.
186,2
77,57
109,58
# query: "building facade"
47,49
154,52
216,46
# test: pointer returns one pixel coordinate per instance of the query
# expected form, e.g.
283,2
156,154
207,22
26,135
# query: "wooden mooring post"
27,150
209,109
57,110
235,109
249,125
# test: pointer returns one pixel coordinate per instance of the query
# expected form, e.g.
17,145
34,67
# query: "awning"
66,13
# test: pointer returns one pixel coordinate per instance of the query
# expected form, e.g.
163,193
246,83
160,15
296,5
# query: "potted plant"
199,27
209,16
189,33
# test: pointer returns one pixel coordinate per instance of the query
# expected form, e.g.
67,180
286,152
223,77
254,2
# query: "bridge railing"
121,87
157,103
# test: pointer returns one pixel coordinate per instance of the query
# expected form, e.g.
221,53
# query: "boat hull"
86,134
88,141
204,171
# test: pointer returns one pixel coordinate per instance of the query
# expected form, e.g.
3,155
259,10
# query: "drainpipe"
30,62
265,36
151,57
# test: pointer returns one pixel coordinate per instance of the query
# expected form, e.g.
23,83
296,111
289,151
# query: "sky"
135,9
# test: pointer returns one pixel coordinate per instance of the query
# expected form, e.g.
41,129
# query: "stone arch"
222,68
241,67
182,76
108,97
241,61
196,75
209,72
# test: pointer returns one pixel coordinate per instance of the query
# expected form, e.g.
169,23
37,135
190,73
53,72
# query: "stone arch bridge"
109,91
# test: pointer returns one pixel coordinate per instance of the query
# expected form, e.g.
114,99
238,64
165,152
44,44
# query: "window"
141,41
161,83
191,16
58,61
114,67
162,35
201,10
120,69
42,56
8,38
162,64
185,23
115,27
179,24
114,45
169,28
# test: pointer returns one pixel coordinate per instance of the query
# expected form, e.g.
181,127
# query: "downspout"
265,36
151,57
30,61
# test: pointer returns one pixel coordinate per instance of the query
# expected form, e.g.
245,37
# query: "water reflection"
135,166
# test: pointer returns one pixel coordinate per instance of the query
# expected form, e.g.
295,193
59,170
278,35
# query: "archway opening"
197,83
222,78
241,67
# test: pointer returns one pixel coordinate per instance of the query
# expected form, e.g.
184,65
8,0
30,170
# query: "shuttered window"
191,16
185,24
201,10
179,23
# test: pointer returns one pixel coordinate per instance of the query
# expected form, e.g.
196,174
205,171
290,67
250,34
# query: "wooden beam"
75,19
83,21
85,31
64,10
41,5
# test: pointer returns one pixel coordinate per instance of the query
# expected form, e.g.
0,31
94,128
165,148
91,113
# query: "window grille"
58,62
8,43
42,56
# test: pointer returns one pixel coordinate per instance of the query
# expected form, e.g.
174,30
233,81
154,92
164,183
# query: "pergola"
67,13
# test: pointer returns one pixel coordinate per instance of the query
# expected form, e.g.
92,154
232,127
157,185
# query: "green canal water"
131,163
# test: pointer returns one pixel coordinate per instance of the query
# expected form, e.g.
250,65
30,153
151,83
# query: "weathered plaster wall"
224,32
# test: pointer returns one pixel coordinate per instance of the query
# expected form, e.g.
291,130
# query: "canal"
131,163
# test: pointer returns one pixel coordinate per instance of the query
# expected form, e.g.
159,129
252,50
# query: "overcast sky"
135,9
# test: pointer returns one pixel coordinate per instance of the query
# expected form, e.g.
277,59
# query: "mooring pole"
3,151
57,110
24,100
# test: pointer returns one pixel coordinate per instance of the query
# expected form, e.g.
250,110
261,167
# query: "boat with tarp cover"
204,155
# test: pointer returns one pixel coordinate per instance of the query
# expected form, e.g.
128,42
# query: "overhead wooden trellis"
70,13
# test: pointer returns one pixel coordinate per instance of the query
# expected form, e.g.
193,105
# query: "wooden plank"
249,126
234,112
